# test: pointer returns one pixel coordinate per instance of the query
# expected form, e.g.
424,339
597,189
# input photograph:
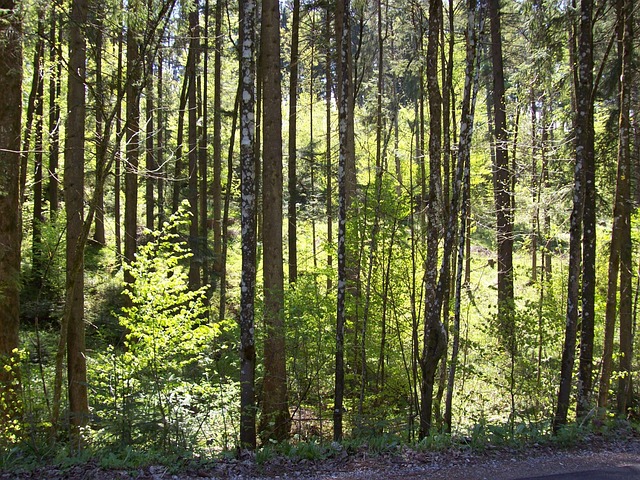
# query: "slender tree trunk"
10,231
74,159
584,127
275,421
293,151
133,141
434,338
38,214
625,386
344,89
475,22
203,140
55,41
587,321
150,161
160,139
99,236
502,185
192,62
178,181
217,147
117,181
248,207
328,160
535,194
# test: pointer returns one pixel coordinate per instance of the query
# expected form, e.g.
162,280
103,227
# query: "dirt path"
606,459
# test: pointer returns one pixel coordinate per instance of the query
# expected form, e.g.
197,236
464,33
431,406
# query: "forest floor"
606,458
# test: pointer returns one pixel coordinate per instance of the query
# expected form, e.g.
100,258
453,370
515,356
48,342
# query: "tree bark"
275,412
150,161
587,323
293,152
248,207
344,89
502,185
217,147
55,40
74,159
584,127
99,233
132,140
625,387
38,214
434,343
328,159
10,231
192,61
475,21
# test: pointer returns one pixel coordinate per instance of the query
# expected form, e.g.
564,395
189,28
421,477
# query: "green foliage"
10,402
163,389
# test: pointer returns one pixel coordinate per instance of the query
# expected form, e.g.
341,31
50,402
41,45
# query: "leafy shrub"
159,391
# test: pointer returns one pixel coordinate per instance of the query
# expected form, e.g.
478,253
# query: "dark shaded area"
618,473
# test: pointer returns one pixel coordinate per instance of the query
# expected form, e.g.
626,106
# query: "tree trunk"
99,232
328,160
10,231
502,186
587,320
55,40
203,167
178,181
293,152
275,412
584,127
74,159
132,141
150,161
160,142
117,181
248,207
38,214
217,147
434,343
344,89
475,22
192,62
625,387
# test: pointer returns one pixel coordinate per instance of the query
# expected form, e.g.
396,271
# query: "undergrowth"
25,456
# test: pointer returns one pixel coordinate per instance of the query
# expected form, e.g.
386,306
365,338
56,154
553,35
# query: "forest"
306,222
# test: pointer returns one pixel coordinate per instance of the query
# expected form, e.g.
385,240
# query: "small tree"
167,330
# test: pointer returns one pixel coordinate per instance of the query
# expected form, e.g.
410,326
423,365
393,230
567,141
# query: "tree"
99,93
502,175
620,250
38,213
132,137
293,152
583,148
275,412
55,40
344,94
248,220
587,324
625,384
475,23
10,234
434,339
217,146
74,158
192,62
